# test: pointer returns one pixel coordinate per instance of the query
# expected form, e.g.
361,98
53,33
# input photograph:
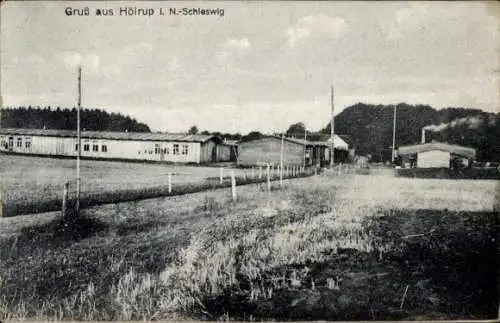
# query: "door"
163,150
214,154
11,143
59,148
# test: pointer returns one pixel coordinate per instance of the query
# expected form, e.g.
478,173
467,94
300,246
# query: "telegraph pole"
332,132
79,141
393,134
281,158
305,146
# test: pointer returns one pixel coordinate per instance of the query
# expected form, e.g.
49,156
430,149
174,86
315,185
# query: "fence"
64,197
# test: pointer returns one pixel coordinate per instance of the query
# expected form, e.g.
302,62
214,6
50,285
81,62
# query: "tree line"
66,119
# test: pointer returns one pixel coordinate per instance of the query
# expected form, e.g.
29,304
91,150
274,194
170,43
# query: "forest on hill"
370,128
65,119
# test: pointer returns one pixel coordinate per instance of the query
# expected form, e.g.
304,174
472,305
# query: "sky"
259,66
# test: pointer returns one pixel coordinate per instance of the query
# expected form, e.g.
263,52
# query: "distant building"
233,148
436,155
297,152
162,147
344,147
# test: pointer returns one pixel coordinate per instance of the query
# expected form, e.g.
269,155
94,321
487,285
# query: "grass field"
36,183
322,247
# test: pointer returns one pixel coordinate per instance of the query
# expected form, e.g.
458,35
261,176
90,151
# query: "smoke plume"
471,122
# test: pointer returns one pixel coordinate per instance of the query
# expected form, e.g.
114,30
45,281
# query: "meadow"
349,247
32,184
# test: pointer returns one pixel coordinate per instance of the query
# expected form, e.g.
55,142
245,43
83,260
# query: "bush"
447,173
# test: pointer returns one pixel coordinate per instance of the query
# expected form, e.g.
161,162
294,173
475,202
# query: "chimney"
423,135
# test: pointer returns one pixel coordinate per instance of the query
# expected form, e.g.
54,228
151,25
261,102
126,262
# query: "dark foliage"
296,130
252,135
66,119
370,127
193,130
446,173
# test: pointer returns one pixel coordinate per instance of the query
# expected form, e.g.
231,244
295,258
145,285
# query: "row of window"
95,148
27,143
166,150
177,149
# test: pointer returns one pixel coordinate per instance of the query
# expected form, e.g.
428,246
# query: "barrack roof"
113,135
453,149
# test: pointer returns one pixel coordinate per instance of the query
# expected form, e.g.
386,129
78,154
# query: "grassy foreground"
350,247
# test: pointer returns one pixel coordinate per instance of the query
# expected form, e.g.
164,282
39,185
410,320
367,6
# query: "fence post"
268,179
340,167
244,175
221,175
65,199
169,182
233,185
253,173
1,205
260,172
281,176
315,171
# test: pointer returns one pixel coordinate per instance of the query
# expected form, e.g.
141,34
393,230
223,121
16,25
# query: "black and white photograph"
249,161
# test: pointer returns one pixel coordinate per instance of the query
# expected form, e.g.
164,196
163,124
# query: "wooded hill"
91,119
370,128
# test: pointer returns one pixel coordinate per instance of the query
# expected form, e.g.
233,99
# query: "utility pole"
393,134
332,131
305,146
281,158
79,141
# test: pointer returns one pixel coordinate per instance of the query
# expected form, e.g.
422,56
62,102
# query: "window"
157,149
184,149
104,148
86,147
95,147
76,147
176,149
27,143
19,142
166,150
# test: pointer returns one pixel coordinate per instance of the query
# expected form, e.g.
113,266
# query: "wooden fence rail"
99,197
